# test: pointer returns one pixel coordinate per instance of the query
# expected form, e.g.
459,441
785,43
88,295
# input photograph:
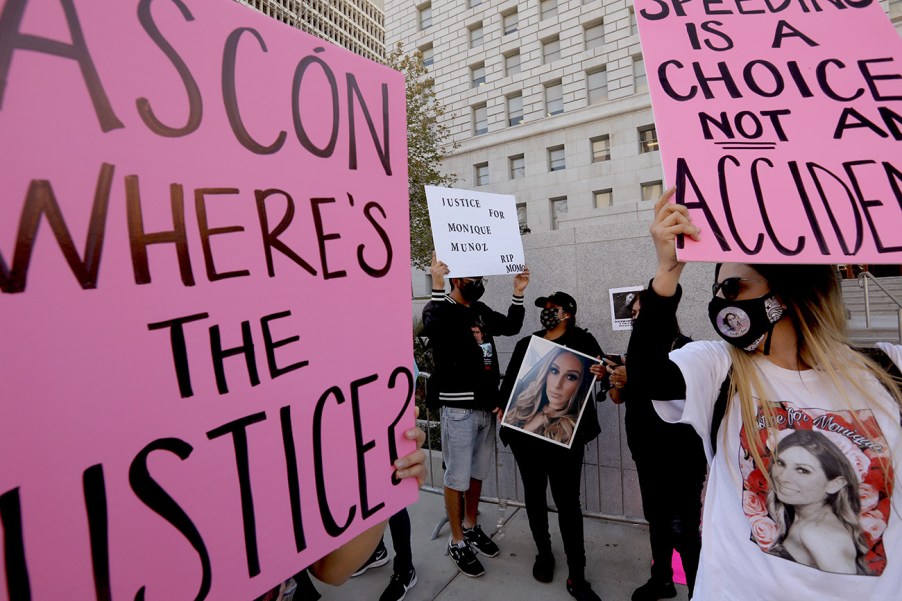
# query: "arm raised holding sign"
464,383
783,370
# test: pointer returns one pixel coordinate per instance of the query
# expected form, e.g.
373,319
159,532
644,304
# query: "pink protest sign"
205,293
779,123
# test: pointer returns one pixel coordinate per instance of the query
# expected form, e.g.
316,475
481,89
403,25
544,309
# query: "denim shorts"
468,437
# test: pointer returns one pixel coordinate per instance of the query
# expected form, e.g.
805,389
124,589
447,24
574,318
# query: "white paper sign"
475,233
621,299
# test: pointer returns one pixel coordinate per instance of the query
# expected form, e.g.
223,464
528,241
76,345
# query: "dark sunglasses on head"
730,287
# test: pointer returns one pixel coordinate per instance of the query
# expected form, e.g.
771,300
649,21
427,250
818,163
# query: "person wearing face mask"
784,365
464,384
542,463
671,467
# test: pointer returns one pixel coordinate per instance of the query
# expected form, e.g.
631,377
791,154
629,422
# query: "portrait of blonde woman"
547,400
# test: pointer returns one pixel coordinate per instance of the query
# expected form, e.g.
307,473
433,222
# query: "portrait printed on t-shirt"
828,501
550,393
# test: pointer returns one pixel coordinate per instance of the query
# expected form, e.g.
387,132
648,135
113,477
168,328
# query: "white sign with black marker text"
475,233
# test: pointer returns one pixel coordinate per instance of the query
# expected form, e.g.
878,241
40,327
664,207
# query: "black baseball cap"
561,299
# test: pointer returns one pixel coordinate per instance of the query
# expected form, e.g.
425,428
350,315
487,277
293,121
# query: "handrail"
863,278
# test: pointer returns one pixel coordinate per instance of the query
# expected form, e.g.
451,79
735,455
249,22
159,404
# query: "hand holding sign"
439,270
521,281
671,220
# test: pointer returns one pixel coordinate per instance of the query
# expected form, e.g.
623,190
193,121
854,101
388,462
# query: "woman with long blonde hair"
784,365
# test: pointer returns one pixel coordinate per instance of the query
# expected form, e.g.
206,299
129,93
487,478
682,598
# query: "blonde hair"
530,398
814,306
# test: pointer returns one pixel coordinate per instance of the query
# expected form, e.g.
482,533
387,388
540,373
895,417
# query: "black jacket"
463,375
579,340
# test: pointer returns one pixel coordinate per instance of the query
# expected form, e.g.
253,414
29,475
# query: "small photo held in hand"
551,391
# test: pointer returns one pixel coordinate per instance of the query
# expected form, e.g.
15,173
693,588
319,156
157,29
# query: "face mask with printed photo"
745,323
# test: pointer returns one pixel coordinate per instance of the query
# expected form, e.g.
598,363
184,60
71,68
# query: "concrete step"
884,328
879,301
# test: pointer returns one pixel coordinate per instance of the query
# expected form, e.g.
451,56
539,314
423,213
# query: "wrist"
666,280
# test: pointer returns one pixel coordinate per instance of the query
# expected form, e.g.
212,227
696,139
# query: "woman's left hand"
413,465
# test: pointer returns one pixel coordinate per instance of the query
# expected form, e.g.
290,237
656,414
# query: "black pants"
399,525
542,463
671,466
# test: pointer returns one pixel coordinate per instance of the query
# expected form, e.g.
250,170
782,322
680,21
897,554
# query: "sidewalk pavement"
618,556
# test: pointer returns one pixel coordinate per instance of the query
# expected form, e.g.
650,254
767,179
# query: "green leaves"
428,144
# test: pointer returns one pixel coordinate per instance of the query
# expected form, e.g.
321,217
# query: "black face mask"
550,318
472,291
745,323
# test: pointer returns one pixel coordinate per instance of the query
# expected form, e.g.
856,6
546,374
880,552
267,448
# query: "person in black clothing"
404,576
542,462
464,383
671,488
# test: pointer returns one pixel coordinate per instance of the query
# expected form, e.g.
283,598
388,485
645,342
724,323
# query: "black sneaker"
543,568
377,559
653,590
581,591
479,541
399,585
465,560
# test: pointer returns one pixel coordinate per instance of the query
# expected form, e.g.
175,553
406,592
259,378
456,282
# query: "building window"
425,16
427,55
548,8
510,22
551,50
521,218
554,99
556,160
558,211
640,81
601,149
597,86
480,119
512,63
474,3
648,139
652,190
517,166
594,35
603,198
515,109
634,26
476,35
477,75
481,172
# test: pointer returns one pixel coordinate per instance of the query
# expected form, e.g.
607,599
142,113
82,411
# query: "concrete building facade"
357,25
548,100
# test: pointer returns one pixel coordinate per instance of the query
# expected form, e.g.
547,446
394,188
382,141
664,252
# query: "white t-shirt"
744,555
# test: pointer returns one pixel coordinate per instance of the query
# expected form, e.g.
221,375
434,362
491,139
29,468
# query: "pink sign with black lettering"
204,264
780,123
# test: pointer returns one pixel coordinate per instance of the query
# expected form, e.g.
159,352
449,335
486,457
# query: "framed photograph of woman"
550,393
